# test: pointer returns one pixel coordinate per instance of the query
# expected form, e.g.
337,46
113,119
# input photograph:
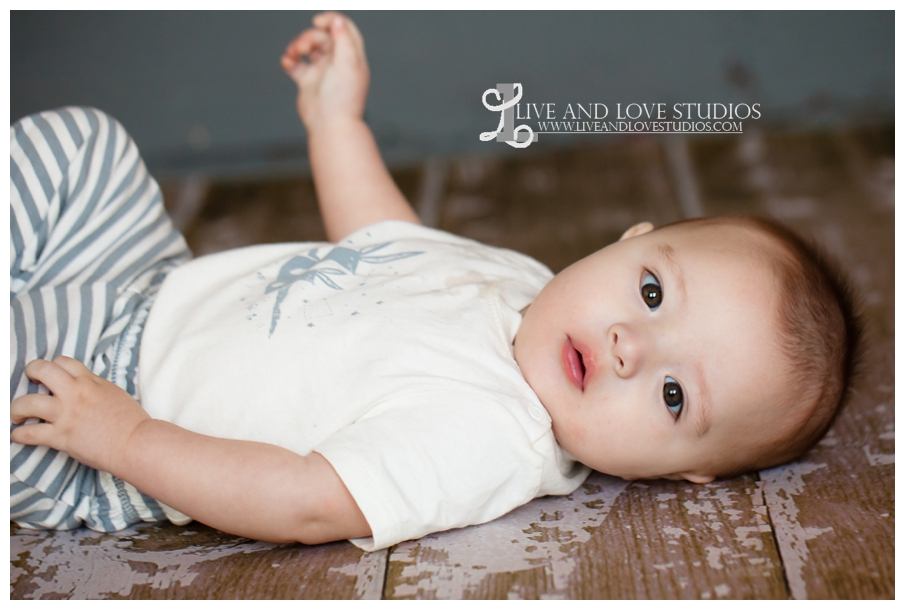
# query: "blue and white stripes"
90,244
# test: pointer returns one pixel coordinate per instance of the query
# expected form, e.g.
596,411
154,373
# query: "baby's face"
657,355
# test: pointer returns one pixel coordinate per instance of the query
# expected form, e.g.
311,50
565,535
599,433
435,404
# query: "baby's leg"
87,226
90,244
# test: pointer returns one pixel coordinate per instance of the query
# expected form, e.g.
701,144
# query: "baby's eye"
672,395
651,291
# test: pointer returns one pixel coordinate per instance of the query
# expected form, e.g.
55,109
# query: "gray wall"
204,90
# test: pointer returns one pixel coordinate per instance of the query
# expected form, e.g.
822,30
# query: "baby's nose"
626,349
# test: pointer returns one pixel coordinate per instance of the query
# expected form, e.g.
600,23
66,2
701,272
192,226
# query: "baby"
399,380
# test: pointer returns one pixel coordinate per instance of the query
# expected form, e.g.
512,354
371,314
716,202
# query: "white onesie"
390,354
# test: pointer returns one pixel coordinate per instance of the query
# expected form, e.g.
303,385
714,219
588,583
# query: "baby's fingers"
41,406
72,366
347,39
330,19
312,42
325,19
33,434
50,374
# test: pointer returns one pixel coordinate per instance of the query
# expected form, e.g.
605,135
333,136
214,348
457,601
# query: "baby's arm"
353,185
245,488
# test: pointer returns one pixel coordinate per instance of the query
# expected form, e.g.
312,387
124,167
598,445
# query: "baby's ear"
639,229
700,479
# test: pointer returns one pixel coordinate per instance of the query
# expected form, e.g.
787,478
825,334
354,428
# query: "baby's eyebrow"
705,403
668,254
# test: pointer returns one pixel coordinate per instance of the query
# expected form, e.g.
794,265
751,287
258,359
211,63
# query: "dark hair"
821,334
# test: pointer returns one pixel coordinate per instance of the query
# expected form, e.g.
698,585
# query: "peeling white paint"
675,532
517,592
502,546
879,459
716,503
713,556
712,499
781,485
754,543
82,564
553,596
733,513
698,508
369,573
722,590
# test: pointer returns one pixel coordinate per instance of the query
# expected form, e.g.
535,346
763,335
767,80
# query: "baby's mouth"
573,363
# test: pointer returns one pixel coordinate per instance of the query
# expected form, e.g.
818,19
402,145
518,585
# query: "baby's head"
702,349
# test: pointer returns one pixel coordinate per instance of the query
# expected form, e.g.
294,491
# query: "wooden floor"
821,527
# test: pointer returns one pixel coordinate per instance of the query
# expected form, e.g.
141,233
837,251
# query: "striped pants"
90,244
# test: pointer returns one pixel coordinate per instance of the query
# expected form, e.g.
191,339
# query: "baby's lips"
588,359
571,362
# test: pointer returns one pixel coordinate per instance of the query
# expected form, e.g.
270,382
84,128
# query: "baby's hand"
333,83
89,418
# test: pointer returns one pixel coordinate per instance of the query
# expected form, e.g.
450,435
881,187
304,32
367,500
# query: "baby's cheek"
573,435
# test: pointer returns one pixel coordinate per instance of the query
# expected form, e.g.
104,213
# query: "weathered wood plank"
528,553
194,562
609,539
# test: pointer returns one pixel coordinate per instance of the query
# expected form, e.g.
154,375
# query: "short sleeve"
433,463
